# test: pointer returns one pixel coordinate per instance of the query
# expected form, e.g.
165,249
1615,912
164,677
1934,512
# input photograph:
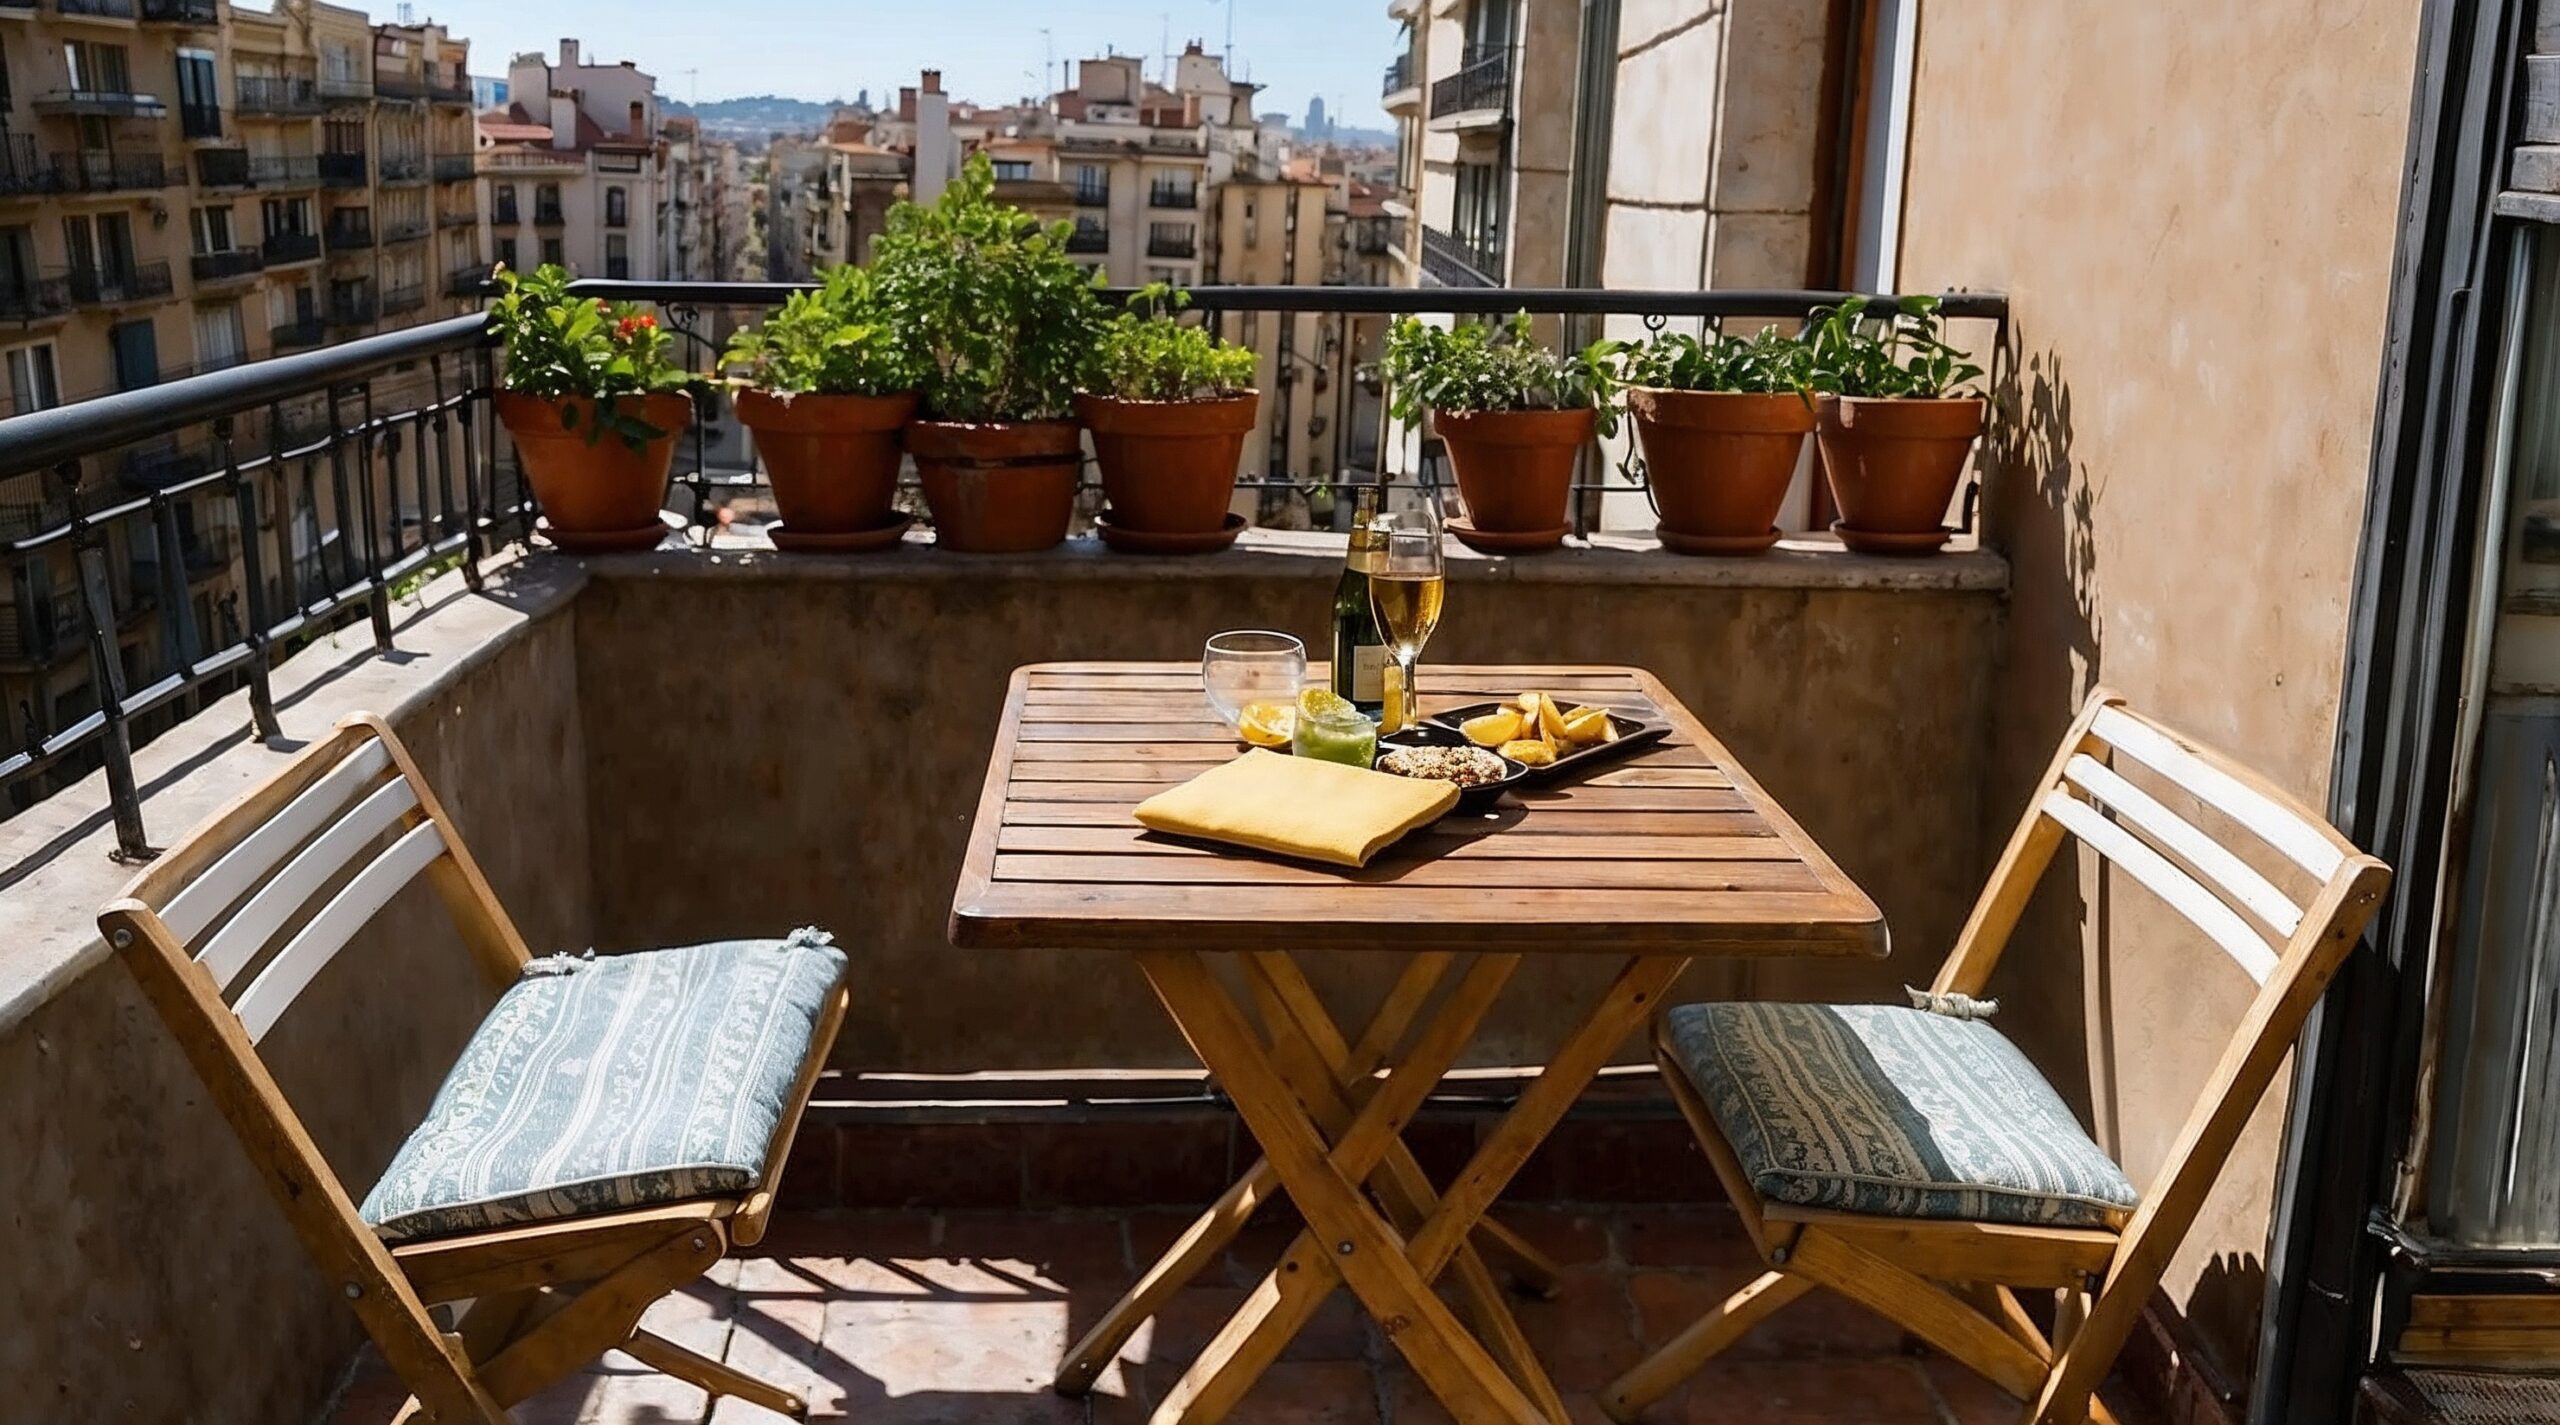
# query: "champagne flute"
1248,666
1406,588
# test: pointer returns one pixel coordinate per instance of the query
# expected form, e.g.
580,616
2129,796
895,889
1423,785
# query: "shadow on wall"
2039,509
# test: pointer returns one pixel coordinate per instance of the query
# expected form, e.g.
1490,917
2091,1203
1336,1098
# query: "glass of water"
1251,666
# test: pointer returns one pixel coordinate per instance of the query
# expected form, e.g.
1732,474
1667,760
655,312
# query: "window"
507,252
551,253
285,215
338,64
199,95
1172,276
212,229
219,342
100,243
32,383
617,207
95,68
546,203
288,305
1093,185
18,275
1013,170
617,256
344,136
504,203
135,349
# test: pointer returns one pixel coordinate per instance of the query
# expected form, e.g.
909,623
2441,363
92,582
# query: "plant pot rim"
1255,394
1694,391
530,398
1901,400
789,398
1536,412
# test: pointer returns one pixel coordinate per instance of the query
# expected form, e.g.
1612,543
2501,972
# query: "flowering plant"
560,345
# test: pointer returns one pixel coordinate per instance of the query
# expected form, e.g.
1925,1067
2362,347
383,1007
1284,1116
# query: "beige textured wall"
150,1276
778,742
2191,206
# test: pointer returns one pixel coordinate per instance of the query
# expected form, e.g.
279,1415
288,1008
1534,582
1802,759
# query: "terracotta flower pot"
1169,467
599,494
833,460
1719,461
1893,464
1515,468
1001,488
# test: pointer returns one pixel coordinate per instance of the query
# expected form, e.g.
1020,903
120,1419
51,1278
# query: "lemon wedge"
1323,702
1491,730
1267,724
1585,726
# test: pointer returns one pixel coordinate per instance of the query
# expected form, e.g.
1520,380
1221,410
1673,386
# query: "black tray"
1430,734
1633,732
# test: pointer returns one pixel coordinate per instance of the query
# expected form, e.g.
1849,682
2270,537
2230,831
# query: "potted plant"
1892,425
1722,423
829,384
1515,416
1169,407
594,404
1003,321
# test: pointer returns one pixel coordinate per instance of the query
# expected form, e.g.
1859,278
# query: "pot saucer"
883,535
1679,543
1136,541
1486,541
611,541
1896,542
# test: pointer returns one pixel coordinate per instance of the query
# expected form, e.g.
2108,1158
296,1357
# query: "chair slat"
2200,906
228,879
265,914
319,941
2132,804
2285,830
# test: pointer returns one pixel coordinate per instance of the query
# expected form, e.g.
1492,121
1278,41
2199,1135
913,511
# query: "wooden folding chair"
1954,1281
543,1298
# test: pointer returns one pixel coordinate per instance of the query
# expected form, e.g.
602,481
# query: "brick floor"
958,1318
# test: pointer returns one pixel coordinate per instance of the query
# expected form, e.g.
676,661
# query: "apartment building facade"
573,171
186,187
704,217
1135,158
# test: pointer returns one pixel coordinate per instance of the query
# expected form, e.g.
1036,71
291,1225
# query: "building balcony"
404,168
345,170
1454,261
288,170
467,280
229,266
407,297
1093,195
35,299
449,86
453,167
296,334
505,215
181,12
345,87
456,218
275,96
1478,94
1086,241
350,309
23,171
97,9
281,249
46,633
199,121
222,168
1180,248
398,84
547,215
349,232
1402,86
101,104
405,229
533,160
120,286
1178,197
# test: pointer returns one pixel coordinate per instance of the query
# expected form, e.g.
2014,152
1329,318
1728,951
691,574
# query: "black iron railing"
403,168
405,229
344,170
113,285
1086,240
222,167
275,94
456,218
465,281
102,104
547,215
23,170
350,230
29,298
94,172
453,168
200,121
341,472
1481,85
296,334
227,265
1399,76
394,84
1173,195
286,247
109,9
184,12
1454,261
1093,195
1181,245
284,170
407,297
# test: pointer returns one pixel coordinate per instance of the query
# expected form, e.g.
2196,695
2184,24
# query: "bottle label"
1369,673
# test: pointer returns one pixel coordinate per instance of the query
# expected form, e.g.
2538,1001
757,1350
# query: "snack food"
1466,766
1538,720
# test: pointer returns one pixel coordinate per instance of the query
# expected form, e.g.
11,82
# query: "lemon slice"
1588,725
1491,730
1267,724
1323,702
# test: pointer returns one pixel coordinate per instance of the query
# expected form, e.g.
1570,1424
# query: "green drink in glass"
1330,729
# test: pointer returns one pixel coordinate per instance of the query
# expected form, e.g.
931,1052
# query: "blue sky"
988,50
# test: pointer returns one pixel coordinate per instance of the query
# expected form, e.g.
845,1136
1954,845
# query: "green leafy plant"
563,346
1148,354
840,340
1887,346
1766,362
1002,318
1474,366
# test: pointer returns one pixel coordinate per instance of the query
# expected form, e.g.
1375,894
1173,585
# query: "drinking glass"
1251,666
1406,588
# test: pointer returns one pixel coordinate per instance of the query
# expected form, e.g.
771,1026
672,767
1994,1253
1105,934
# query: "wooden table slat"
1438,873
1566,820
1508,843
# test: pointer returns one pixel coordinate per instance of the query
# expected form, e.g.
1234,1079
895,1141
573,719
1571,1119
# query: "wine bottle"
1359,648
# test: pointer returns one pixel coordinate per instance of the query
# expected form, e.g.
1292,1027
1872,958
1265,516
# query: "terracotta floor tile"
1586,1335
1967,1397
1065,1250
1685,1237
1409,1402
1175,1336
983,1355
1747,1392
1571,1236
1818,1323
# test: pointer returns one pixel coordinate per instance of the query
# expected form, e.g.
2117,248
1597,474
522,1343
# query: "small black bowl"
1470,799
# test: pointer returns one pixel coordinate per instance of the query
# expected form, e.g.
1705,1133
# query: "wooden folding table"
1668,853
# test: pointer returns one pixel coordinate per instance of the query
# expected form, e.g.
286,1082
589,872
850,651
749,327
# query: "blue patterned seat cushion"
1893,1112
599,1083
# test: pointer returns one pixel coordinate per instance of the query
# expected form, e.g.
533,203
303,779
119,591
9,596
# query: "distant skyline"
989,51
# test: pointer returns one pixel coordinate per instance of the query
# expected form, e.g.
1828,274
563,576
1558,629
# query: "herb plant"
1148,354
1002,319
1764,363
840,340
564,346
1906,358
1478,367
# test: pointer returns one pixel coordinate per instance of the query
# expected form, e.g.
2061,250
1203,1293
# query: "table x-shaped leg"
1208,1235
1290,1295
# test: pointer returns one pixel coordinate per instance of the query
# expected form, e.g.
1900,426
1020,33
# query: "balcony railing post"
115,744
472,545
244,499
377,601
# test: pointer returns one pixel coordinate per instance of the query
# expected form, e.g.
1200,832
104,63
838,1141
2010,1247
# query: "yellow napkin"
1298,806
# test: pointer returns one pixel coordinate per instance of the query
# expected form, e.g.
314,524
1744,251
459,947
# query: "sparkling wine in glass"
1249,666
1407,586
